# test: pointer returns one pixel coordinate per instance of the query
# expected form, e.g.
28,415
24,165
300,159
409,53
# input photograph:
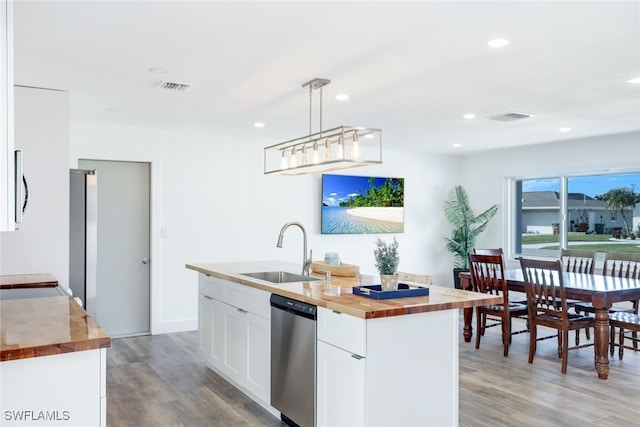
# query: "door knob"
145,260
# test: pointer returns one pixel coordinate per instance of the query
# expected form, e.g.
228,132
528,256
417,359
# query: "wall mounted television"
362,205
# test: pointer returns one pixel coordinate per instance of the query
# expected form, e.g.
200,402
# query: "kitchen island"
52,363
388,362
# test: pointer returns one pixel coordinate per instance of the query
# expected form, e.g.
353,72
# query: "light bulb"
283,162
316,155
303,161
340,153
294,160
327,151
355,149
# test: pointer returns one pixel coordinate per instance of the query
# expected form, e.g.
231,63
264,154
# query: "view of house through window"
602,213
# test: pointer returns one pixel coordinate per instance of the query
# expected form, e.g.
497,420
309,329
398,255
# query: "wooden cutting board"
342,270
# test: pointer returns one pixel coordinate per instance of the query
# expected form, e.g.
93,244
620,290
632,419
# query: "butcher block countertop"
34,327
320,292
37,280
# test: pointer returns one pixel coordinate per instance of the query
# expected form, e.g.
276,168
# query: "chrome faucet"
306,262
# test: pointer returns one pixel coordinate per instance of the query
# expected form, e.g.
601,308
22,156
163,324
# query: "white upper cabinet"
7,167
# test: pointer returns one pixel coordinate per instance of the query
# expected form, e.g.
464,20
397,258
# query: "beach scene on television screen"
362,205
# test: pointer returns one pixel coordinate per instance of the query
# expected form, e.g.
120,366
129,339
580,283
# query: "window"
577,211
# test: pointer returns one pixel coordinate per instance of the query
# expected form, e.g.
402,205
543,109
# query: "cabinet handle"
207,297
242,311
336,312
357,357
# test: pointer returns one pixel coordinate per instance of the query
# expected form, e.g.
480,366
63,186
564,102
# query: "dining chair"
624,317
619,265
487,277
547,304
627,323
497,251
424,279
520,299
578,261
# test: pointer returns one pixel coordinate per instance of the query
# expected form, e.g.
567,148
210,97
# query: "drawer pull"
336,312
357,357
207,297
242,310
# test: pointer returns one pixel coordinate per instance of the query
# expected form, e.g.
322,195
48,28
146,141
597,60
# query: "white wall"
41,245
217,205
484,173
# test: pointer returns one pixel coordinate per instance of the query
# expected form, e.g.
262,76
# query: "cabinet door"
211,329
259,357
234,362
205,326
341,387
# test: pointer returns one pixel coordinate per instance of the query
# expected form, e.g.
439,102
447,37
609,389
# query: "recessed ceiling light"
158,70
469,116
498,43
258,125
635,81
342,97
565,129
457,145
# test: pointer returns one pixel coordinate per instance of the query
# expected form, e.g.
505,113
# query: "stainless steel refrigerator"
83,237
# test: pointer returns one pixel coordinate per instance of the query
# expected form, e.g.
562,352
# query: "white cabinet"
341,386
7,170
235,334
259,356
42,134
210,322
341,369
234,362
398,370
66,389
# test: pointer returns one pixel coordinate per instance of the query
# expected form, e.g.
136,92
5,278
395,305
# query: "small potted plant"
387,261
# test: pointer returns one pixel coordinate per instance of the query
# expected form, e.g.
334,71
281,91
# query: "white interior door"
123,276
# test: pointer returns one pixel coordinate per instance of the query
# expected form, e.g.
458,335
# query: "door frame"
155,196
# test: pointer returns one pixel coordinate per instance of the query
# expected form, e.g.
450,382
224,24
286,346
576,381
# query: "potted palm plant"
387,261
466,228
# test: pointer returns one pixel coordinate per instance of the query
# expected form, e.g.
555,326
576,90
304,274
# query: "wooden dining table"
601,291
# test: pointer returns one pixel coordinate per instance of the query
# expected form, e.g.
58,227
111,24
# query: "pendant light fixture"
341,147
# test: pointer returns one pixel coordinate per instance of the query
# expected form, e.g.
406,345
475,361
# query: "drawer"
210,286
253,300
342,330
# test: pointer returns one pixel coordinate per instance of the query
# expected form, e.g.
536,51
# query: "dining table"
601,290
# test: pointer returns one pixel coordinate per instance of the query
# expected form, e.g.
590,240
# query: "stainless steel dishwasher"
293,360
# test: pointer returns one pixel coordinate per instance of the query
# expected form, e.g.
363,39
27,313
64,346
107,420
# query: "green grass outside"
532,239
621,248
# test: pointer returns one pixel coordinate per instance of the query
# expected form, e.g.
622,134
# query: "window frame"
513,193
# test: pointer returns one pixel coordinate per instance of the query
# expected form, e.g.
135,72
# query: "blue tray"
403,291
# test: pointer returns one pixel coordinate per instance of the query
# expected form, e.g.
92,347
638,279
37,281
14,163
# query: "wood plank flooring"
508,391
162,381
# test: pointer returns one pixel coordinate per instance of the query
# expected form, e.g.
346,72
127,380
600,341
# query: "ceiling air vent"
510,117
179,87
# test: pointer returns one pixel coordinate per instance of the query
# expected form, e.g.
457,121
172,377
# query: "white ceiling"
411,68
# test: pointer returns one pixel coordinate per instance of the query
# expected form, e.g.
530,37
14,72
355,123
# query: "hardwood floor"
162,381
508,391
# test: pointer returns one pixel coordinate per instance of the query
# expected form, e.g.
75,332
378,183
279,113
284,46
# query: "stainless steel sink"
279,276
